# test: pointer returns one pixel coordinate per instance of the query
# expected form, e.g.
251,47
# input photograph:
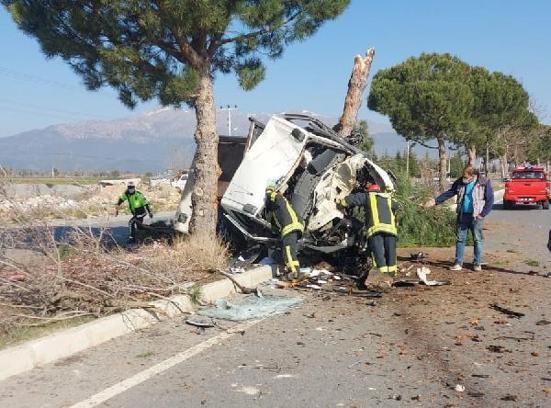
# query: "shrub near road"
417,226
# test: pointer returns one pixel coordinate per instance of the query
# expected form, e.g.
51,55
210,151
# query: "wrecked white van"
313,166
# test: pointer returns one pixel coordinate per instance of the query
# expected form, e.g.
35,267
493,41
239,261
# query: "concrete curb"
34,353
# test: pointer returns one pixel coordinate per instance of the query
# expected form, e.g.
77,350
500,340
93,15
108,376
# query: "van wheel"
545,205
508,205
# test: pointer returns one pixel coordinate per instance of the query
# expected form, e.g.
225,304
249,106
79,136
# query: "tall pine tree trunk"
472,154
504,165
205,162
356,87
487,161
442,164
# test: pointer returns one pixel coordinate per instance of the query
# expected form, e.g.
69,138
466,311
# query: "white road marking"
147,374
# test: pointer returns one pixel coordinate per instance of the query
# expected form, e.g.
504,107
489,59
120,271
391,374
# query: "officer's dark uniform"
380,227
285,221
138,206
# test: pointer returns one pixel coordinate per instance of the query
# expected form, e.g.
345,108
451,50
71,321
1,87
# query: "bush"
418,226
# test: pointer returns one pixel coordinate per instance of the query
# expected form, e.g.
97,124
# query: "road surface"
421,346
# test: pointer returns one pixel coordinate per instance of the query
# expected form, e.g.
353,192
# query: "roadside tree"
171,50
501,115
426,97
539,150
361,131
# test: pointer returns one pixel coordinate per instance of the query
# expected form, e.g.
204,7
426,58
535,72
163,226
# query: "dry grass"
83,278
86,275
203,250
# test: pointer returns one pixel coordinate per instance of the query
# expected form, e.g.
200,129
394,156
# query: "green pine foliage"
398,163
366,141
457,164
438,96
418,226
159,49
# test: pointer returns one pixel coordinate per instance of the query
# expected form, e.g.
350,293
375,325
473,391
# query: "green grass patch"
532,262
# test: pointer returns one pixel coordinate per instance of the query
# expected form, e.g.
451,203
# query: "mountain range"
150,141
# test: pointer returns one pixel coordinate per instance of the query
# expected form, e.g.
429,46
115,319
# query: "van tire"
507,205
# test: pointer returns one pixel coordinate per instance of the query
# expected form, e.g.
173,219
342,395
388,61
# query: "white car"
313,166
180,182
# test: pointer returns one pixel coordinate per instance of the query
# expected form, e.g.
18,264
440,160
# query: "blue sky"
505,35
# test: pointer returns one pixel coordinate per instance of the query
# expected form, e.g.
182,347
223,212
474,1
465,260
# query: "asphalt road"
523,230
116,228
410,348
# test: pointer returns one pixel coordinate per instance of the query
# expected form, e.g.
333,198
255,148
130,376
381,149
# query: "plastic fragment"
422,275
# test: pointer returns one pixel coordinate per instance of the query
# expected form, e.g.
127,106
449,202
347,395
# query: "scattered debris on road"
418,256
200,321
459,388
422,275
508,312
242,288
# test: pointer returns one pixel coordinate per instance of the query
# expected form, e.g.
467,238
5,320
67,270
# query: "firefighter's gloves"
150,214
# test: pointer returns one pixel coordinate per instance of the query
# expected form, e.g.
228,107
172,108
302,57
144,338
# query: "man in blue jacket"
475,198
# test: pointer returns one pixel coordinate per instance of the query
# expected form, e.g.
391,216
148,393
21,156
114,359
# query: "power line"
26,105
35,79
32,111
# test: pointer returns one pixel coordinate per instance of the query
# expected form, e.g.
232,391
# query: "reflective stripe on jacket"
135,201
379,215
281,214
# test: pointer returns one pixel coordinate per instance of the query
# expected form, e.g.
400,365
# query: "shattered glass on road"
250,307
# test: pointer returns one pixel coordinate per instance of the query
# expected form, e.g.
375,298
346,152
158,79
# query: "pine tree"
171,50
426,98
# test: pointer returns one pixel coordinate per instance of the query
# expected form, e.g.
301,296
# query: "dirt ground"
63,202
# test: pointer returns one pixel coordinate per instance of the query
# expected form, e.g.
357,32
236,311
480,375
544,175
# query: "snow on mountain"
149,141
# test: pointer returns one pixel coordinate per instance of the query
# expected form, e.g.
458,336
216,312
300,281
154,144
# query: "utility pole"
229,108
407,159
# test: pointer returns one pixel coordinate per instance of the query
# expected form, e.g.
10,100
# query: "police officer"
285,221
138,206
380,227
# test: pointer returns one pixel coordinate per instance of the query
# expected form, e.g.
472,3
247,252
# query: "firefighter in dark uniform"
380,226
285,221
138,206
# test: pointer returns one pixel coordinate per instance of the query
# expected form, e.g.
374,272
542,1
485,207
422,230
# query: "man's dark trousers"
136,222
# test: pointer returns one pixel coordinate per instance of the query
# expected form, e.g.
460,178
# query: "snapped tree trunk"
205,162
442,164
356,87
472,155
